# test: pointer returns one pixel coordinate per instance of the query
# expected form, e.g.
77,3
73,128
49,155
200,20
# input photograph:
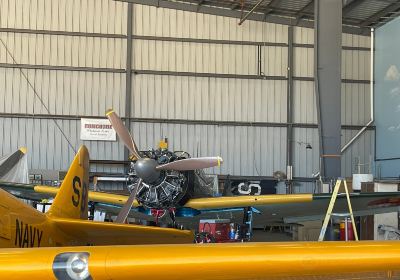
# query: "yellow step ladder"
329,213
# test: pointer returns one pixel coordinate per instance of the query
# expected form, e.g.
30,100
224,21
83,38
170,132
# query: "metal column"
327,72
289,108
128,77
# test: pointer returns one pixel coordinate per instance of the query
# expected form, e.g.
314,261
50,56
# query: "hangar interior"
186,71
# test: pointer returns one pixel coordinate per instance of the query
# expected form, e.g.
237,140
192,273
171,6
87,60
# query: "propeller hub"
146,170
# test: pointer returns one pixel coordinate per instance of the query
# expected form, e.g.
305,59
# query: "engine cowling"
166,193
168,190
172,188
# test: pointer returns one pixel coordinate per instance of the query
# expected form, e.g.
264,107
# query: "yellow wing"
198,203
301,260
246,200
102,197
103,233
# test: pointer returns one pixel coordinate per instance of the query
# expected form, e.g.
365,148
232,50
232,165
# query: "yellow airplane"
152,189
242,261
160,179
291,208
66,222
164,181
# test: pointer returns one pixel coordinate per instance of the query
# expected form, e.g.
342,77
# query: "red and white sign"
97,129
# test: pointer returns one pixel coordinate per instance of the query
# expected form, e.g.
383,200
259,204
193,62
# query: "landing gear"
247,230
172,215
92,208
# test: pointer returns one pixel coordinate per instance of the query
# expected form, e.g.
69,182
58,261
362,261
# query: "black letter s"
76,180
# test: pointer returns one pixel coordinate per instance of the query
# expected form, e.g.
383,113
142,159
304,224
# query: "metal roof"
358,15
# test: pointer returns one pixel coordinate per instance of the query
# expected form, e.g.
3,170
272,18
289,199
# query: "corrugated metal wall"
210,99
68,93
73,74
355,103
74,53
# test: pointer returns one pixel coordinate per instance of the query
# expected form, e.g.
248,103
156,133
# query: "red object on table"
218,228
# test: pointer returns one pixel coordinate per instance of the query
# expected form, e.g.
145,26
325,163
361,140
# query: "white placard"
97,129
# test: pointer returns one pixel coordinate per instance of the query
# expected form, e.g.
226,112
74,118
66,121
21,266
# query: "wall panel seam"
166,39
178,121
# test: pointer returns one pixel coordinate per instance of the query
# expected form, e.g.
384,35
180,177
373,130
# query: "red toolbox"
218,228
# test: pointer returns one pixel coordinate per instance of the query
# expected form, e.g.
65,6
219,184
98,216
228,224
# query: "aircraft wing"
27,191
363,204
104,233
37,192
292,208
241,261
281,208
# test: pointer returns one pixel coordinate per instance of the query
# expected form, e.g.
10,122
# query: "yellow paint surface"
249,200
291,260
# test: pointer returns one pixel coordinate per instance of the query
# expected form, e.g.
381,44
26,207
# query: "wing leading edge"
291,260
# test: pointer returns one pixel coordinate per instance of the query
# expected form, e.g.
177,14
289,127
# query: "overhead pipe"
345,147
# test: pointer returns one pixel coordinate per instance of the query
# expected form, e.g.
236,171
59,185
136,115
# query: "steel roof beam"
351,6
306,9
250,12
270,6
375,17
234,7
237,14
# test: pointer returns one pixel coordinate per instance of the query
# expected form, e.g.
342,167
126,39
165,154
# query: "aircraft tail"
71,200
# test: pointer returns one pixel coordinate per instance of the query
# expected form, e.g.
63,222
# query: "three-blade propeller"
148,170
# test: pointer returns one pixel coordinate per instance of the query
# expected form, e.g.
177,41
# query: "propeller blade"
191,164
123,214
122,132
11,161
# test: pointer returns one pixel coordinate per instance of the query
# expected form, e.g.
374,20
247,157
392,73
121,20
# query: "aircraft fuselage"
22,226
